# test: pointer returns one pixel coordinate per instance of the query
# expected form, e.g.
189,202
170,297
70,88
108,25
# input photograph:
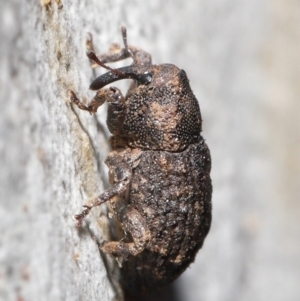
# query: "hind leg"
133,223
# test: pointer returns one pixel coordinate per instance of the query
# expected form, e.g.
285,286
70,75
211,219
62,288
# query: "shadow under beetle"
159,168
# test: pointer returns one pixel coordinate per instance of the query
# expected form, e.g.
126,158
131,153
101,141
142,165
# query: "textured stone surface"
242,59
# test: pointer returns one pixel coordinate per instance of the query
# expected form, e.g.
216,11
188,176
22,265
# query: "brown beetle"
159,169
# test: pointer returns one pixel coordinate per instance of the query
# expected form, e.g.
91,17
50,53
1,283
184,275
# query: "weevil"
159,168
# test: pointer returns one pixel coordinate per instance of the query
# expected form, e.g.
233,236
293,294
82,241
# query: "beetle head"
161,110
163,114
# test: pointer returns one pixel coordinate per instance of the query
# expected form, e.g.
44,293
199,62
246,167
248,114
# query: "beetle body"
159,169
171,193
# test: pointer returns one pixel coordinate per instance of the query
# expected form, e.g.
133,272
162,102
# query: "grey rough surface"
242,58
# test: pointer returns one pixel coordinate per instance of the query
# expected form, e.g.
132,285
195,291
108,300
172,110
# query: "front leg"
116,53
116,107
116,111
92,107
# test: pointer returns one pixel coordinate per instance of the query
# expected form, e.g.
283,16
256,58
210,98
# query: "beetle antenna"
91,55
124,35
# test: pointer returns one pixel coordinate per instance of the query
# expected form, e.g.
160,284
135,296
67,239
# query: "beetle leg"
132,222
107,195
130,219
116,111
116,53
92,107
120,173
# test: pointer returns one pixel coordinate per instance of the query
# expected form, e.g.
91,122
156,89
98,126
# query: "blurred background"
243,61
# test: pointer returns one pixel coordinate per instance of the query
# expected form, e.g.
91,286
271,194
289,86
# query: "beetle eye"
145,79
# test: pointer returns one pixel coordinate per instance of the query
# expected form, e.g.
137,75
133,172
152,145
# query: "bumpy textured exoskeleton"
159,168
